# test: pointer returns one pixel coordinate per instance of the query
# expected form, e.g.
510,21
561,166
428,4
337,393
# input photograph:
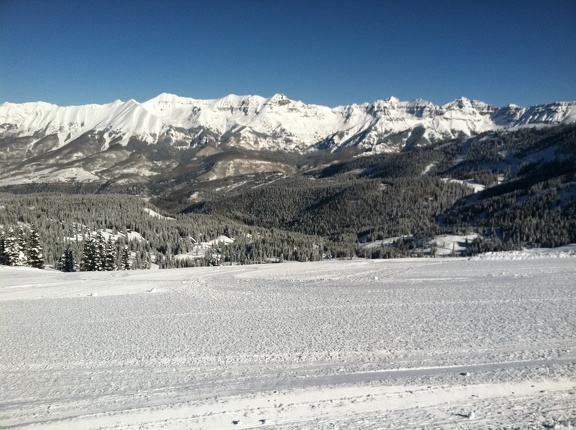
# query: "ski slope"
370,344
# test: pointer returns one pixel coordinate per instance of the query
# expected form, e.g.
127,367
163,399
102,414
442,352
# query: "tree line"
87,232
21,247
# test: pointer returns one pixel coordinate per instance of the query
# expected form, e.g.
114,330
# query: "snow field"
413,343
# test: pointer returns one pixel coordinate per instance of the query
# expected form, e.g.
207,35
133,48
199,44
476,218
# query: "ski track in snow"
367,344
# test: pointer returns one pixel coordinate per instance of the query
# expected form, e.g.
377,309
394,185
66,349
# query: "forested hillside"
525,182
342,206
70,222
513,189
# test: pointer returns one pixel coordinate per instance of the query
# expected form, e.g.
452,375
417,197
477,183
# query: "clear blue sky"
325,52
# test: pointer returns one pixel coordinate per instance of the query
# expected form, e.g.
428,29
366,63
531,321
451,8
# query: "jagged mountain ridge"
45,142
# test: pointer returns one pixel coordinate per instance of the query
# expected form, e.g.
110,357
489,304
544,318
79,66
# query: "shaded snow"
445,244
77,174
414,343
385,242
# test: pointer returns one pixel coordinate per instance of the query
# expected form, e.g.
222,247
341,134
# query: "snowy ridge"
129,142
274,123
72,121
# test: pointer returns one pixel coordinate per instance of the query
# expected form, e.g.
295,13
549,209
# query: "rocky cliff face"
132,141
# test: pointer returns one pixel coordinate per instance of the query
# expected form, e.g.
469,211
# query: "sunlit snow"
469,182
371,344
287,123
156,214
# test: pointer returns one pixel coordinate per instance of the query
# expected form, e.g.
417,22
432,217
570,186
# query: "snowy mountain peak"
420,102
278,99
250,122
168,98
463,103
163,100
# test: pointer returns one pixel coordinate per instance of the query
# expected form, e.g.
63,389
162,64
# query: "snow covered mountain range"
128,141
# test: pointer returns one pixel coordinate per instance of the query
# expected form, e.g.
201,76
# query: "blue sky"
324,52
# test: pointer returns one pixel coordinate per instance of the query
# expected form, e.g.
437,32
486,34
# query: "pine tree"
3,254
88,261
99,252
21,247
125,259
142,261
9,246
66,262
109,263
34,250
14,248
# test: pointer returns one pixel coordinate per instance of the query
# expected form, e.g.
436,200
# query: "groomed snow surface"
360,344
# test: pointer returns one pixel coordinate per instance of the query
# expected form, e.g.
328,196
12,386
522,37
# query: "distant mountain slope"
518,188
501,189
169,135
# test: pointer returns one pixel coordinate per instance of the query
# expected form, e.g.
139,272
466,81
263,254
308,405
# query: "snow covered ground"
360,344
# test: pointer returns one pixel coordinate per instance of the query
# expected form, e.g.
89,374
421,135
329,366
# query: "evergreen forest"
513,189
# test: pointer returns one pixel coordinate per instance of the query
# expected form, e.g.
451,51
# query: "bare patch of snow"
469,182
447,244
428,168
156,214
385,242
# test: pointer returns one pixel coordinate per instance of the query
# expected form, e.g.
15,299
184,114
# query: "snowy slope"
72,121
402,344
